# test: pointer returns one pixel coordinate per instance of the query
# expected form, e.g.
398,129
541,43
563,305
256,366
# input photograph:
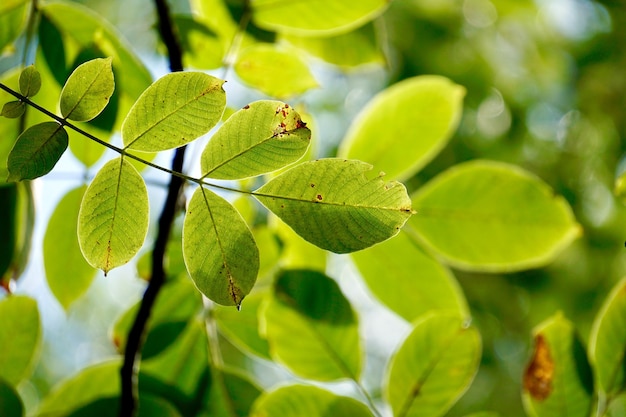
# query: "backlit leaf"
490,216
13,109
12,20
30,81
607,345
333,204
262,137
219,250
231,395
275,71
20,337
306,400
201,46
10,402
558,379
405,126
315,17
433,367
37,151
113,217
311,327
67,272
88,90
174,111
408,281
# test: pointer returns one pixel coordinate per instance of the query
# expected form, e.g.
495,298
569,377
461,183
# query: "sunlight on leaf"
30,81
37,151
88,90
262,137
113,217
219,250
175,110
13,109
12,19
231,394
333,204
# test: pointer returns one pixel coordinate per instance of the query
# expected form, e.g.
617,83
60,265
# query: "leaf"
201,46
408,281
30,81
20,337
12,20
306,400
148,407
607,343
315,17
275,71
434,366
88,90
174,111
13,109
311,327
405,126
334,205
262,137
10,402
68,274
90,384
490,216
231,395
557,380
37,151
17,219
219,250
113,217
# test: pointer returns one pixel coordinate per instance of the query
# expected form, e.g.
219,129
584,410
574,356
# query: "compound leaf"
88,90
262,137
334,205
113,217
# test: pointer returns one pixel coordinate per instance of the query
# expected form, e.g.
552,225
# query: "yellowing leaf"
333,204
88,90
174,111
262,137
113,217
36,151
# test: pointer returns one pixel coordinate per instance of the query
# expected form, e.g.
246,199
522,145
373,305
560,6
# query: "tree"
184,348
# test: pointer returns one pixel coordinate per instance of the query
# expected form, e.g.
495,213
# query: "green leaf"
88,90
490,216
405,126
262,137
311,327
557,380
231,395
37,151
12,19
333,204
309,401
484,414
434,366
90,384
408,281
13,109
219,250
147,407
20,337
174,111
30,81
274,70
10,129
607,344
201,46
67,273
113,217
297,253
17,219
10,402
315,17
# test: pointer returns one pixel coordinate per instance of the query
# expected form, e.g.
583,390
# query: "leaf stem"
233,48
368,398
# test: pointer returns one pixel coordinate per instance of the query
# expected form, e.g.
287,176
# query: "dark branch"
135,337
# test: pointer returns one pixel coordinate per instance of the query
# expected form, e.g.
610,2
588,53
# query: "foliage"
470,201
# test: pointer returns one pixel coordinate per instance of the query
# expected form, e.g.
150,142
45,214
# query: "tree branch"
132,352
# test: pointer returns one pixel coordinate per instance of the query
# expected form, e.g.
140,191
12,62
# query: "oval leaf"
88,90
557,379
607,345
10,402
262,137
113,217
37,151
274,71
67,273
334,205
405,126
315,17
219,250
305,400
20,337
13,109
311,327
174,111
230,395
490,216
408,281
30,81
433,367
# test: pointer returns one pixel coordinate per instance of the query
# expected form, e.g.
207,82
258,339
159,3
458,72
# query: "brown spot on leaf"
539,373
300,124
246,107
312,185
319,197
